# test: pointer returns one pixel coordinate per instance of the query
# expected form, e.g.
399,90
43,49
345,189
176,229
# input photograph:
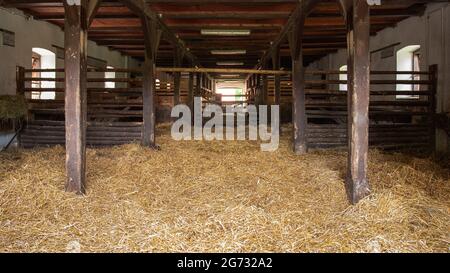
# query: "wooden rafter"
140,6
119,28
92,9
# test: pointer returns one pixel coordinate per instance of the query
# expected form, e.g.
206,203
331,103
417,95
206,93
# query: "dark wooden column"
178,60
190,100
433,70
75,62
358,34
277,78
251,95
198,83
255,89
299,119
258,90
20,80
265,90
152,38
204,80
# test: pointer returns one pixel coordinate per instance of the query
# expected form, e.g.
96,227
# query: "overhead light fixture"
229,52
230,76
229,63
226,32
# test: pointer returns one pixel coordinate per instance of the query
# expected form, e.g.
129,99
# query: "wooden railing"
398,118
114,115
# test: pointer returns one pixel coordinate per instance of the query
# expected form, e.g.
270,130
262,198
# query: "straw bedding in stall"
220,196
12,107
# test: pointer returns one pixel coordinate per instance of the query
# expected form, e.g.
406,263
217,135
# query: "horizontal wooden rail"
231,70
371,82
373,72
403,121
38,79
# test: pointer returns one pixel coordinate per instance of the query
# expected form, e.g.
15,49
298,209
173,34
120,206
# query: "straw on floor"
220,197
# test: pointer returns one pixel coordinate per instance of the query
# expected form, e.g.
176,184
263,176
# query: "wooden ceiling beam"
119,28
140,6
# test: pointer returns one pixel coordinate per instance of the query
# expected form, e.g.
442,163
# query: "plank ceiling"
117,27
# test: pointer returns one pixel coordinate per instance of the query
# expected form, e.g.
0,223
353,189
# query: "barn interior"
88,163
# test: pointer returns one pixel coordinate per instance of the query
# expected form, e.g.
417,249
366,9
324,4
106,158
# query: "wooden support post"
198,85
190,100
178,60
277,78
277,83
433,76
251,84
20,81
75,62
20,91
152,38
258,90
255,89
203,81
299,119
358,34
265,90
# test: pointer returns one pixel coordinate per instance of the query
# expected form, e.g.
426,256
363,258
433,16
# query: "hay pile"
12,107
221,196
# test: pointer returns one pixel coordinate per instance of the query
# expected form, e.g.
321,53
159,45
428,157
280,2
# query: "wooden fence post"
190,98
433,77
20,80
178,60
265,90
198,87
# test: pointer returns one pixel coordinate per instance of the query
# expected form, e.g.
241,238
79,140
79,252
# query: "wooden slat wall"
395,123
114,114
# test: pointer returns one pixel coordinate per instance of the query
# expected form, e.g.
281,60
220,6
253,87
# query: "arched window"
43,59
408,59
343,77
